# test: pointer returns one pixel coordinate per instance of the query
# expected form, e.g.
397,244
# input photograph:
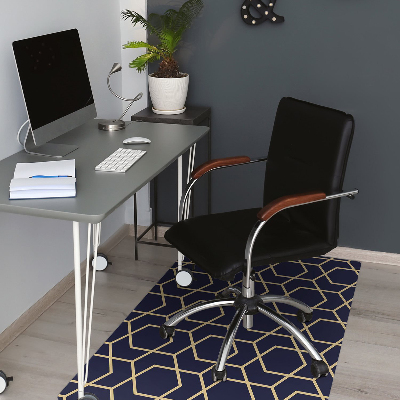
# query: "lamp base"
110,125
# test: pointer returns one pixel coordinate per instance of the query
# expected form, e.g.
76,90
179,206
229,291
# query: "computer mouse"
136,140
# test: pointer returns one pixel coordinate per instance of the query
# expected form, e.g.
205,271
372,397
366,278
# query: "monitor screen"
55,83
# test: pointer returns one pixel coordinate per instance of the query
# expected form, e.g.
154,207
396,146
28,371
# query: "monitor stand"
48,149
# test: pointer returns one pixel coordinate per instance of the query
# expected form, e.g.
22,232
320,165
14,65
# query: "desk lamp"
118,124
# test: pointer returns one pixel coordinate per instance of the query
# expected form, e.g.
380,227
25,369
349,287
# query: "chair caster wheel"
167,332
184,277
101,262
319,369
4,381
304,317
89,396
218,375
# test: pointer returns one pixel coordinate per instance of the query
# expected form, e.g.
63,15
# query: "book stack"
43,180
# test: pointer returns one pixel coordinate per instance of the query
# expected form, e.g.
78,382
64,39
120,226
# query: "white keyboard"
121,160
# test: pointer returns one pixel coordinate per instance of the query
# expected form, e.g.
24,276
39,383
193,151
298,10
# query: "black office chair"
305,167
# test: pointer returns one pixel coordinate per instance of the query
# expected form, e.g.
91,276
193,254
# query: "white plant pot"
168,95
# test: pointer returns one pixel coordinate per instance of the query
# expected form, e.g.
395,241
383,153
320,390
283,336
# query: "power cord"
20,129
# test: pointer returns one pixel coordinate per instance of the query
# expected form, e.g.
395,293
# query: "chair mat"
265,362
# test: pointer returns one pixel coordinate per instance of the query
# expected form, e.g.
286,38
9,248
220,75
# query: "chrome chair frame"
246,302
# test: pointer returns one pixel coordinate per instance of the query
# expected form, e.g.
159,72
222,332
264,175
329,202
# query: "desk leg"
78,307
180,255
155,220
209,159
192,154
84,322
135,226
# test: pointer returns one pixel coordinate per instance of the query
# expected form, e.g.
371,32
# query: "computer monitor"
56,88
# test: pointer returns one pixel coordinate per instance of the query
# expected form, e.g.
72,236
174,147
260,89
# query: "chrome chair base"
246,307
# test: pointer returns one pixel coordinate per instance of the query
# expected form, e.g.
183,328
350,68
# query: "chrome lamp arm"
273,208
136,98
117,124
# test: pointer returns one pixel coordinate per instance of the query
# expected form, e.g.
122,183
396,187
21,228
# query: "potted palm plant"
168,86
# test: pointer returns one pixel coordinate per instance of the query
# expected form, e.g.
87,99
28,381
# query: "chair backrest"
309,148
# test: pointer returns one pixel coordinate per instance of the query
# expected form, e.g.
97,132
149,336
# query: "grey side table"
192,116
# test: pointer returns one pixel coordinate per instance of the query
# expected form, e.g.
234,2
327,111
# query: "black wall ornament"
266,12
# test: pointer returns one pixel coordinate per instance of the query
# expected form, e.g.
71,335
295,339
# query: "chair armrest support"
222,163
274,207
210,166
297,200
217,163
280,204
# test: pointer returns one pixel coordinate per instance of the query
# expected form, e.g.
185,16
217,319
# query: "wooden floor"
43,359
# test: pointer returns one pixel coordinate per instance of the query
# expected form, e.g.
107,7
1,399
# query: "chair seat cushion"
217,242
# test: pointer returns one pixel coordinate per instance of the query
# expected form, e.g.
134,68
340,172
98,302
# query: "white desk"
98,195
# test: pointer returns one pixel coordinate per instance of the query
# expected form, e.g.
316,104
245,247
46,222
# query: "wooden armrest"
219,162
288,201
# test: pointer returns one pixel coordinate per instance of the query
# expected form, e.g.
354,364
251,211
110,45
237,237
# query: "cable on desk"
20,129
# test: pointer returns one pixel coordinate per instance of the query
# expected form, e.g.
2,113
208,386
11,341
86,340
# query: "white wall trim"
377,257
134,82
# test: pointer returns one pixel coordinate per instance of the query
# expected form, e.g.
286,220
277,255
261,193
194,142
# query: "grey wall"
341,54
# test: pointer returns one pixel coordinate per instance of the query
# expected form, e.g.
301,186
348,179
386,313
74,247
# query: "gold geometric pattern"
265,362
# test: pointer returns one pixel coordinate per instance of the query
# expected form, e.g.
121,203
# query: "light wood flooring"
43,358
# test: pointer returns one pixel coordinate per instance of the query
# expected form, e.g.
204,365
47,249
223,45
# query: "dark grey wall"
343,54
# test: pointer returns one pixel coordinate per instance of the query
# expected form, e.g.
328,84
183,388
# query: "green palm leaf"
139,44
140,63
188,12
169,28
169,41
136,18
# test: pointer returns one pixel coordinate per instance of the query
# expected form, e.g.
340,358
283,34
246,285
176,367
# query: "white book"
47,168
42,183
43,180
41,194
